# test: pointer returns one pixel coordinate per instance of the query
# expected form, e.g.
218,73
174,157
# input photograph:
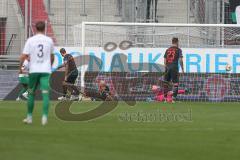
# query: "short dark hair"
40,26
62,50
174,40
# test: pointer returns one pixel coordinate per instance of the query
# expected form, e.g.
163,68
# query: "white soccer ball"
228,67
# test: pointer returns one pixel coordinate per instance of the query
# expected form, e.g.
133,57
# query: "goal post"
134,51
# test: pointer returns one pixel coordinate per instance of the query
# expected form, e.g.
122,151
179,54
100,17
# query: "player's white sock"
74,98
44,120
62,98
80,97
28,120
18,99
25,94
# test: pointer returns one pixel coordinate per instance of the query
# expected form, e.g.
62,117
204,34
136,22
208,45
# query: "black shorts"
72,77
172,74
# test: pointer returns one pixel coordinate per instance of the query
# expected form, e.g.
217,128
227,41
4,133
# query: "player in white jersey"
39,50
23,80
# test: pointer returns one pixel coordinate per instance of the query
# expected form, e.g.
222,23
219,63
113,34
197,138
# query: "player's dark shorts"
172,74
72,76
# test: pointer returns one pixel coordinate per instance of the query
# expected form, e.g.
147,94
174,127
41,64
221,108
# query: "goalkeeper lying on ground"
103,93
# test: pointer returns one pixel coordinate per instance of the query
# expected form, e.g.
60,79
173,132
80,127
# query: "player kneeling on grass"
71,74
39,50
23,80
159,94
172,57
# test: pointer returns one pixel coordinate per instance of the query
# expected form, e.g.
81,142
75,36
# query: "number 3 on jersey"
40,53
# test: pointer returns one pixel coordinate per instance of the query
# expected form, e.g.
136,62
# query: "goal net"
129,58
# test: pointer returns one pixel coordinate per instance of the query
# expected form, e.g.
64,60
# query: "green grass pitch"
212,134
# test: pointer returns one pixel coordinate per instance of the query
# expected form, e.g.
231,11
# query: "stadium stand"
39,13
11,28
76,12
61,19
8,81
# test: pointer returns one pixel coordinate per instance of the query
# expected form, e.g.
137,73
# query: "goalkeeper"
103,93
172,57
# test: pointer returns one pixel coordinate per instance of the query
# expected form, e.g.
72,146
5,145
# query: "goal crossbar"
160,24
84,24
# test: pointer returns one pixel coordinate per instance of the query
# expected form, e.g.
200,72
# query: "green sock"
22,91
31,97
45,95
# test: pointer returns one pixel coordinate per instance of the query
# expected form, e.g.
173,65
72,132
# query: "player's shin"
64,89
45,95
31,98
23,90
175,90
165,89
75,89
